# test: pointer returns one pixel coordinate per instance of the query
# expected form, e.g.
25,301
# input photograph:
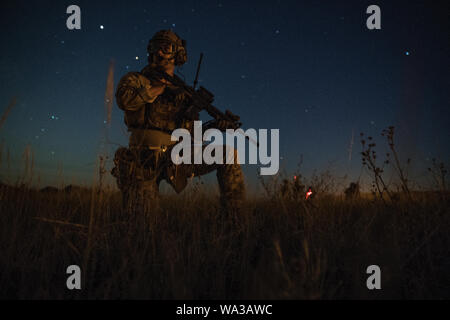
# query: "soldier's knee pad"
230,155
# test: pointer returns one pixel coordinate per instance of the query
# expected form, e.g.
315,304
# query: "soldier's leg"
139,188
231,185
230,178
141,197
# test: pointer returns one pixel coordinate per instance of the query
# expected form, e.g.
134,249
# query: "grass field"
278,248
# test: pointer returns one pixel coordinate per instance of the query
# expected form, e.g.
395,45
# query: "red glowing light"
308,194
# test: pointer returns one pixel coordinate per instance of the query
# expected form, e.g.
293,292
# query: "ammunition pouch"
133,165
147,159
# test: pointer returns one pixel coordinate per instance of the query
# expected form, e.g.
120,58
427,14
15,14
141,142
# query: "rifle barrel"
198,70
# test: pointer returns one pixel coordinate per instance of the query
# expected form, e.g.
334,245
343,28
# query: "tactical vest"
165,113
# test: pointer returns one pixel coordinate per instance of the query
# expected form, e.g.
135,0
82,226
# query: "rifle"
200,99
198,70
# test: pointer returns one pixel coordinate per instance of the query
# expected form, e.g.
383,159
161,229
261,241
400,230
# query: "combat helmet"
168,36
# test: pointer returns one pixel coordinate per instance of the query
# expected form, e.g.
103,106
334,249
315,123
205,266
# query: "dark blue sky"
310,68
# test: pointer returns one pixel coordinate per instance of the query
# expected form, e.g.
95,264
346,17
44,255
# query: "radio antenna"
198,70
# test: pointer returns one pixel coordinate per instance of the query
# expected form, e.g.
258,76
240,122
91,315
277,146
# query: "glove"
178,94
222,124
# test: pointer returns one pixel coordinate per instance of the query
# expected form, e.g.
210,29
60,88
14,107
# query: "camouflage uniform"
140,168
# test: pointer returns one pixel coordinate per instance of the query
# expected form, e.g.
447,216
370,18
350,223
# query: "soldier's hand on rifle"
222,125
159,85
230,122
167,83
178,94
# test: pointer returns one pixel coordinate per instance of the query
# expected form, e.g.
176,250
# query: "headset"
168,36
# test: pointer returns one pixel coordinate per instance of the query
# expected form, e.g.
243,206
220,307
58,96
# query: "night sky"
309,68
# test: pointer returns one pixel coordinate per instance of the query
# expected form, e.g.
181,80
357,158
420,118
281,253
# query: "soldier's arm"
135,90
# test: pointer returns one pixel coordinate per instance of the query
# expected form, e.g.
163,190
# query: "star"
102,27
407,53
